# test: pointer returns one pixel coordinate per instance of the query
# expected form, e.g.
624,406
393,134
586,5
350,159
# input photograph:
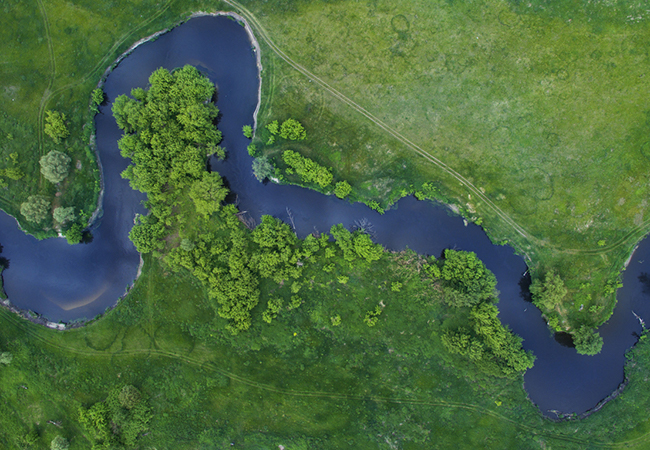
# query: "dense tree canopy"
587,341
470,281
208,193
63,215
548,291
308,170
293,130
168,129
54,166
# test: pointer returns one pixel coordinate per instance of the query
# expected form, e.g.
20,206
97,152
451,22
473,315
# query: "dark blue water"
69,282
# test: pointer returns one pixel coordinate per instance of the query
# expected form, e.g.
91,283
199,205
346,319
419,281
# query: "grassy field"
527,116
299,382
530,119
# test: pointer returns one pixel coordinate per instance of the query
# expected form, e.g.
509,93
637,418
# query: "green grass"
530,119
299,382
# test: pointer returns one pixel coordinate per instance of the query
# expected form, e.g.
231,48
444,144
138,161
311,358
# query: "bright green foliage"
55,126
336,320
110,424
63,215
309,171
342,189
168,129
13,173
372,317
587,341
96,99
59,443
272,310
467,279
208,193
74,233
293,130
490,345
248,131
147,234
35,209
396,286
356,245
54,166
252,150
262,168
550,292
273,127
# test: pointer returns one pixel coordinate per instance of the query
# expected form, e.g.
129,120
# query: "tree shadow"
644,278
524,286
564,339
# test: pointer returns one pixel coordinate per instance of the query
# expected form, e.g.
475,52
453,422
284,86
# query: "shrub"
292,129
248,131
55,126
342,189
63,215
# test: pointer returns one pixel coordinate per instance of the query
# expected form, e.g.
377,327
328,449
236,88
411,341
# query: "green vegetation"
54,166
401,106
63,215
55,126
309,171
293,130
35,209
248,131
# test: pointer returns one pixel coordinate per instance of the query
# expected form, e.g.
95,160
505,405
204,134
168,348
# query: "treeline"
169,132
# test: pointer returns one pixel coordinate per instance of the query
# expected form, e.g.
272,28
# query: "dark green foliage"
293,130
308,170
587,341
490,345
467,279
96,99
54,166
74,234
548,292
342,189
208,193
35,209
55,126
117,421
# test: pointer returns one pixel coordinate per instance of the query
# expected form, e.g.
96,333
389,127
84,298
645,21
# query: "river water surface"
65,282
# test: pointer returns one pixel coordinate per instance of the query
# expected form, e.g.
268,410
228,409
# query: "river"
66,283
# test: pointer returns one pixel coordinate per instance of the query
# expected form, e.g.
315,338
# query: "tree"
129,396
5,358
587,341
342,189
74,234
292,129
55,126
550,292
262,168
59,443
273,127
63,215
468,281
35,209
147,233
248,131
208,193
54,166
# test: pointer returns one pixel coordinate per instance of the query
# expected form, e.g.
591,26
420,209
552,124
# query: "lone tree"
54,166
35,209
292,129
59,443
262,168
55,126
550,292
587,341
248,131
342,189
63,215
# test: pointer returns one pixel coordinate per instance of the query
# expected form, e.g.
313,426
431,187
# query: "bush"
262,168
59,443
292,129
468,281
342,189
35,209
63,215
248,131
55,126
54,166
309,171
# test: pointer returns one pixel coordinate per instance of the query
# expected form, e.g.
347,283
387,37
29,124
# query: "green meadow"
527,117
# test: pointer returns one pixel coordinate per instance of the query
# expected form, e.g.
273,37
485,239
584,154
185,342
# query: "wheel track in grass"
642,229
37,335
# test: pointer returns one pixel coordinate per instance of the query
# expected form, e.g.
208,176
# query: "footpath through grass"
300,382
531,120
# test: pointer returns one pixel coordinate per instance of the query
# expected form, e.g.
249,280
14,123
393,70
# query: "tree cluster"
308,170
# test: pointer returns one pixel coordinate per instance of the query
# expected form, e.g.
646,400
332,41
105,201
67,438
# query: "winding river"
66,283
